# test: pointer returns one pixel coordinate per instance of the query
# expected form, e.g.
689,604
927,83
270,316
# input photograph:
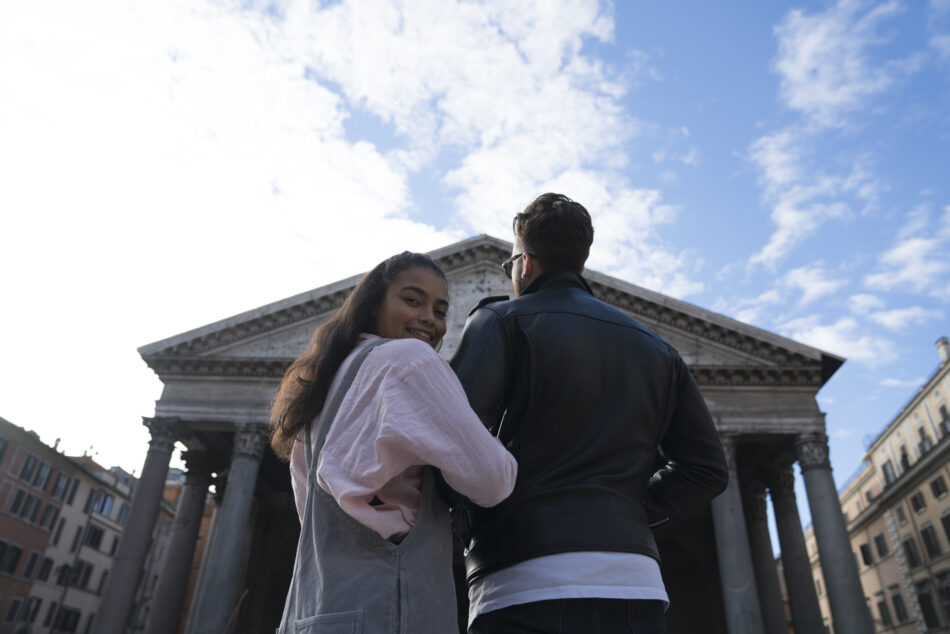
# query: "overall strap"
335,398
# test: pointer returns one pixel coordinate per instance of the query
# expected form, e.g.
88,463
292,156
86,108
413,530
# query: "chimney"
943,347
56,444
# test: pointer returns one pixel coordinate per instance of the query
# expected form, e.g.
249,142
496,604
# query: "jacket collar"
558,278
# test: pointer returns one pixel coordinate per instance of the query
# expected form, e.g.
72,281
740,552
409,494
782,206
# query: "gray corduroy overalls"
349,580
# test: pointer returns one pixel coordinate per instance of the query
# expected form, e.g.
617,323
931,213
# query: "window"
72,492
28,468
115,544
910,550
888,469
24,505
62,484
881,544
59,531
943,590
885,613
917,502
50,613
107,501
905,460
900,611
67,620
49,517
123,513
90,500
45,568
923,445
926,601
10,558
102,582
93,536
62,578
866,555
42,476
32,607
80,574
931,544
30,564
901,517
12,610
938,487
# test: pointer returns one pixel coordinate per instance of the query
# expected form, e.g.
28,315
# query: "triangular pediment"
262,341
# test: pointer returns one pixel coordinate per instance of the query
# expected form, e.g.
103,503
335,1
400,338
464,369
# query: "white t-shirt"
581,575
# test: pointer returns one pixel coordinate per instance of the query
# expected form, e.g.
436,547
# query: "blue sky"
164,166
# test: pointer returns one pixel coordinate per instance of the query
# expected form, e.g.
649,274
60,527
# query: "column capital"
250,440
754,503
164,431
782,479
812,452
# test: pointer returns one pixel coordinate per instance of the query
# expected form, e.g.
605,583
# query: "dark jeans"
575,616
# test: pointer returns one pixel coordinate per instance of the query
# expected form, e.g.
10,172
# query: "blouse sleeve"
425,411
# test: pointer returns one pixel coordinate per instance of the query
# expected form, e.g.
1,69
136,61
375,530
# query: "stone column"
165,611
119,596
766,574
736,573
849,610
802,597
220,583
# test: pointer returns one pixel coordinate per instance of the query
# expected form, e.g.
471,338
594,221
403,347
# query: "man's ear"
528,266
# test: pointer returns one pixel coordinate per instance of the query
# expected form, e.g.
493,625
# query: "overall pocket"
335,623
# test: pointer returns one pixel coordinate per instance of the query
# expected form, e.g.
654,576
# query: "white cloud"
900,318
812,282
862,303
825,61
916,263
903,383
844,337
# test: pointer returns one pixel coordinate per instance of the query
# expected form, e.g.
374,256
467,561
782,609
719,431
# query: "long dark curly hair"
305,385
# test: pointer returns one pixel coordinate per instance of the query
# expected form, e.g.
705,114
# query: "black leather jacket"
583,395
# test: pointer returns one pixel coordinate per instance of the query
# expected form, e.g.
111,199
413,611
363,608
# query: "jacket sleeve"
483,364
695,467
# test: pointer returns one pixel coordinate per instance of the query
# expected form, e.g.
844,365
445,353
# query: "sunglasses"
507,264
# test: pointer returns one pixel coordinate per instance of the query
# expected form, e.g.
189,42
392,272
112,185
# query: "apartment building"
897,509
60,522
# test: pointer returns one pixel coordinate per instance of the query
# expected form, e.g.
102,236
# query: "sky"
164,165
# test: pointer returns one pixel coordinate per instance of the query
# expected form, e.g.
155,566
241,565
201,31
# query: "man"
589,401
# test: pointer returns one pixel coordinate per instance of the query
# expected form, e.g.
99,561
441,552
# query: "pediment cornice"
791,363
260,368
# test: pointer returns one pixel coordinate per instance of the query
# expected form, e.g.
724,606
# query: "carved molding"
812,452
165,433
695,325
210,366
730,375
250,440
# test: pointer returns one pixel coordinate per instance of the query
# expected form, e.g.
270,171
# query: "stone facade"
219,381
897,508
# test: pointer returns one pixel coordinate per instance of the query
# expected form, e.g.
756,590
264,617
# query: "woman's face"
414,306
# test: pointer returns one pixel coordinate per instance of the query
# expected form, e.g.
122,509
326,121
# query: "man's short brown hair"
555,230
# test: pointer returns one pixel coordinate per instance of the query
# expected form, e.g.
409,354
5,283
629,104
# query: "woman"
361,416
